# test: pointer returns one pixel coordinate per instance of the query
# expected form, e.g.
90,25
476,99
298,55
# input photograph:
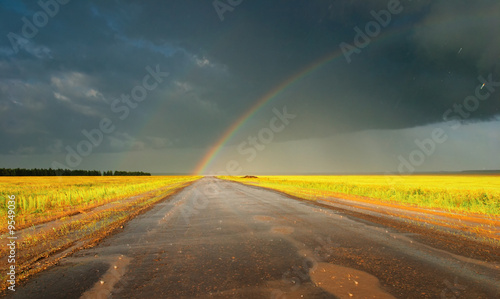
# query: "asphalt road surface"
220,239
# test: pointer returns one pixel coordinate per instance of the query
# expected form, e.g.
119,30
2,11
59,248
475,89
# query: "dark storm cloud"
64,79
90,61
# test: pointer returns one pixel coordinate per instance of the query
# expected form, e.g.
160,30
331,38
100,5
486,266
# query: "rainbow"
213,152
210,156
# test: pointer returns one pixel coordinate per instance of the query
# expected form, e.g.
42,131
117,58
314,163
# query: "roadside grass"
478,194
41,199
68,234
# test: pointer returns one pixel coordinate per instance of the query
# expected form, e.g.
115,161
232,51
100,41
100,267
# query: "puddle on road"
103,288
346,282
342,282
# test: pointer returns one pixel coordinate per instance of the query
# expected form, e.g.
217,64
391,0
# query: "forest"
66,172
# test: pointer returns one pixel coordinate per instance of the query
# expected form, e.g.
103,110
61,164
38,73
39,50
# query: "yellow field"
39,198
465,193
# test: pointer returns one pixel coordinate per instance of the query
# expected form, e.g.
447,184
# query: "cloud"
93,52
457,28
472,147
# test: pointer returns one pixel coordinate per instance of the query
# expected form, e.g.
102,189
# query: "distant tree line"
66,172
122,173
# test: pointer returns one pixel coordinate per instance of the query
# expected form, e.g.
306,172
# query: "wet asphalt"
220,239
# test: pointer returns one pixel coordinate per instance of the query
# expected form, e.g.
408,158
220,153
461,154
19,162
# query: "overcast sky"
161,81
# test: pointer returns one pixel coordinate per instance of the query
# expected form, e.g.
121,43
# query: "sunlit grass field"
77,212
47,197
461,193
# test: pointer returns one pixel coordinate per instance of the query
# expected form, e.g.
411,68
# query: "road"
220,239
